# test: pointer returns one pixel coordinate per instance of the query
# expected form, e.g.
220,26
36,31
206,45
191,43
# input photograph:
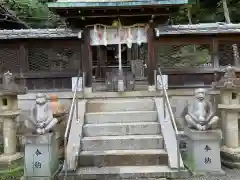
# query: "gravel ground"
231,174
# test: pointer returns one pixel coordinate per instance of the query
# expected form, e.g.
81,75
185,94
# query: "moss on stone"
189,162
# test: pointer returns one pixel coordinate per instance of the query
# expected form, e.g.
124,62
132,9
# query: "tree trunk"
189,15
228,20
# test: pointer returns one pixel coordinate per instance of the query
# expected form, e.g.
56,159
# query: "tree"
34,12
205,11
228,20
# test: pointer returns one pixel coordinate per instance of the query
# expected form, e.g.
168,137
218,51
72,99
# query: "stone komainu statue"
42,116
199,114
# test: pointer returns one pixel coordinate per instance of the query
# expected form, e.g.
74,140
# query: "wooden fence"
49,64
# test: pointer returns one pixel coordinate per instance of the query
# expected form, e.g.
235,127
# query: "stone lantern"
8,114
229,87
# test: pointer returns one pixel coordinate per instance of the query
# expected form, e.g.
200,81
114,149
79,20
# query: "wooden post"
129,55
81,58
87,59
103,61
98,69
151,61
101,58
215,57
23,57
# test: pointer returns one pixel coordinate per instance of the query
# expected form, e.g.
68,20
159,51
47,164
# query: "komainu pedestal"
203,154
41,157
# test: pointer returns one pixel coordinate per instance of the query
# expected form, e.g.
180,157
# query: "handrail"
71,109
169,108
70,118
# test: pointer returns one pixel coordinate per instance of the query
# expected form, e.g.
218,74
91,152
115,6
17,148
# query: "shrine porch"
102,87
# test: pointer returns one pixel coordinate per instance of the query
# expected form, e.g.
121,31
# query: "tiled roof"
113,3
208,28
39,33
211,28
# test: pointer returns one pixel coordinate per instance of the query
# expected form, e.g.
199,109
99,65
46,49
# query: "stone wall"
178,99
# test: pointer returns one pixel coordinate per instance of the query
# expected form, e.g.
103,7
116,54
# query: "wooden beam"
95,15
44,74
197,39
76,13
183,40
87,58
188,70
126,21
53,42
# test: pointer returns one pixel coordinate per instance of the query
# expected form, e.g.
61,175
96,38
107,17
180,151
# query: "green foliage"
233,6
205,11
34,12
37,14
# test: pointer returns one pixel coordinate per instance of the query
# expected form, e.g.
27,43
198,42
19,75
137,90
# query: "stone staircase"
122,139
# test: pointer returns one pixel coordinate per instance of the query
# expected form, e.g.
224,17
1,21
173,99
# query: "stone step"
120,117
121,129
125,172
121,104
123,158
131,142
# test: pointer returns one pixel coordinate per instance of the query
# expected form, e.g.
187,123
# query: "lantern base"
7,160
230,157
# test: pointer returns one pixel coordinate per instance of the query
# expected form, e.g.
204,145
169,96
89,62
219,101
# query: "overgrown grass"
13,171
12,174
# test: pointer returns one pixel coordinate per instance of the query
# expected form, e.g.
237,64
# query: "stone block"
127,173
203,154
41,159
137,68
149,157
125,104
121,129
130,82
161,84
131,142
121,117
230,157
109,81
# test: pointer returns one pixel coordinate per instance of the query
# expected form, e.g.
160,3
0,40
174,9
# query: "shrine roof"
114,3
206,28
39,33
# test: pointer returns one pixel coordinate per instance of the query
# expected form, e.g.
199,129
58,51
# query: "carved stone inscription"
41,158
207,156
207,159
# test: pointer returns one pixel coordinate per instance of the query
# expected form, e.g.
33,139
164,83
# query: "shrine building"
113,34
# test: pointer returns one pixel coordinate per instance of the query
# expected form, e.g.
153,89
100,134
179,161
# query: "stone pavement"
231,174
